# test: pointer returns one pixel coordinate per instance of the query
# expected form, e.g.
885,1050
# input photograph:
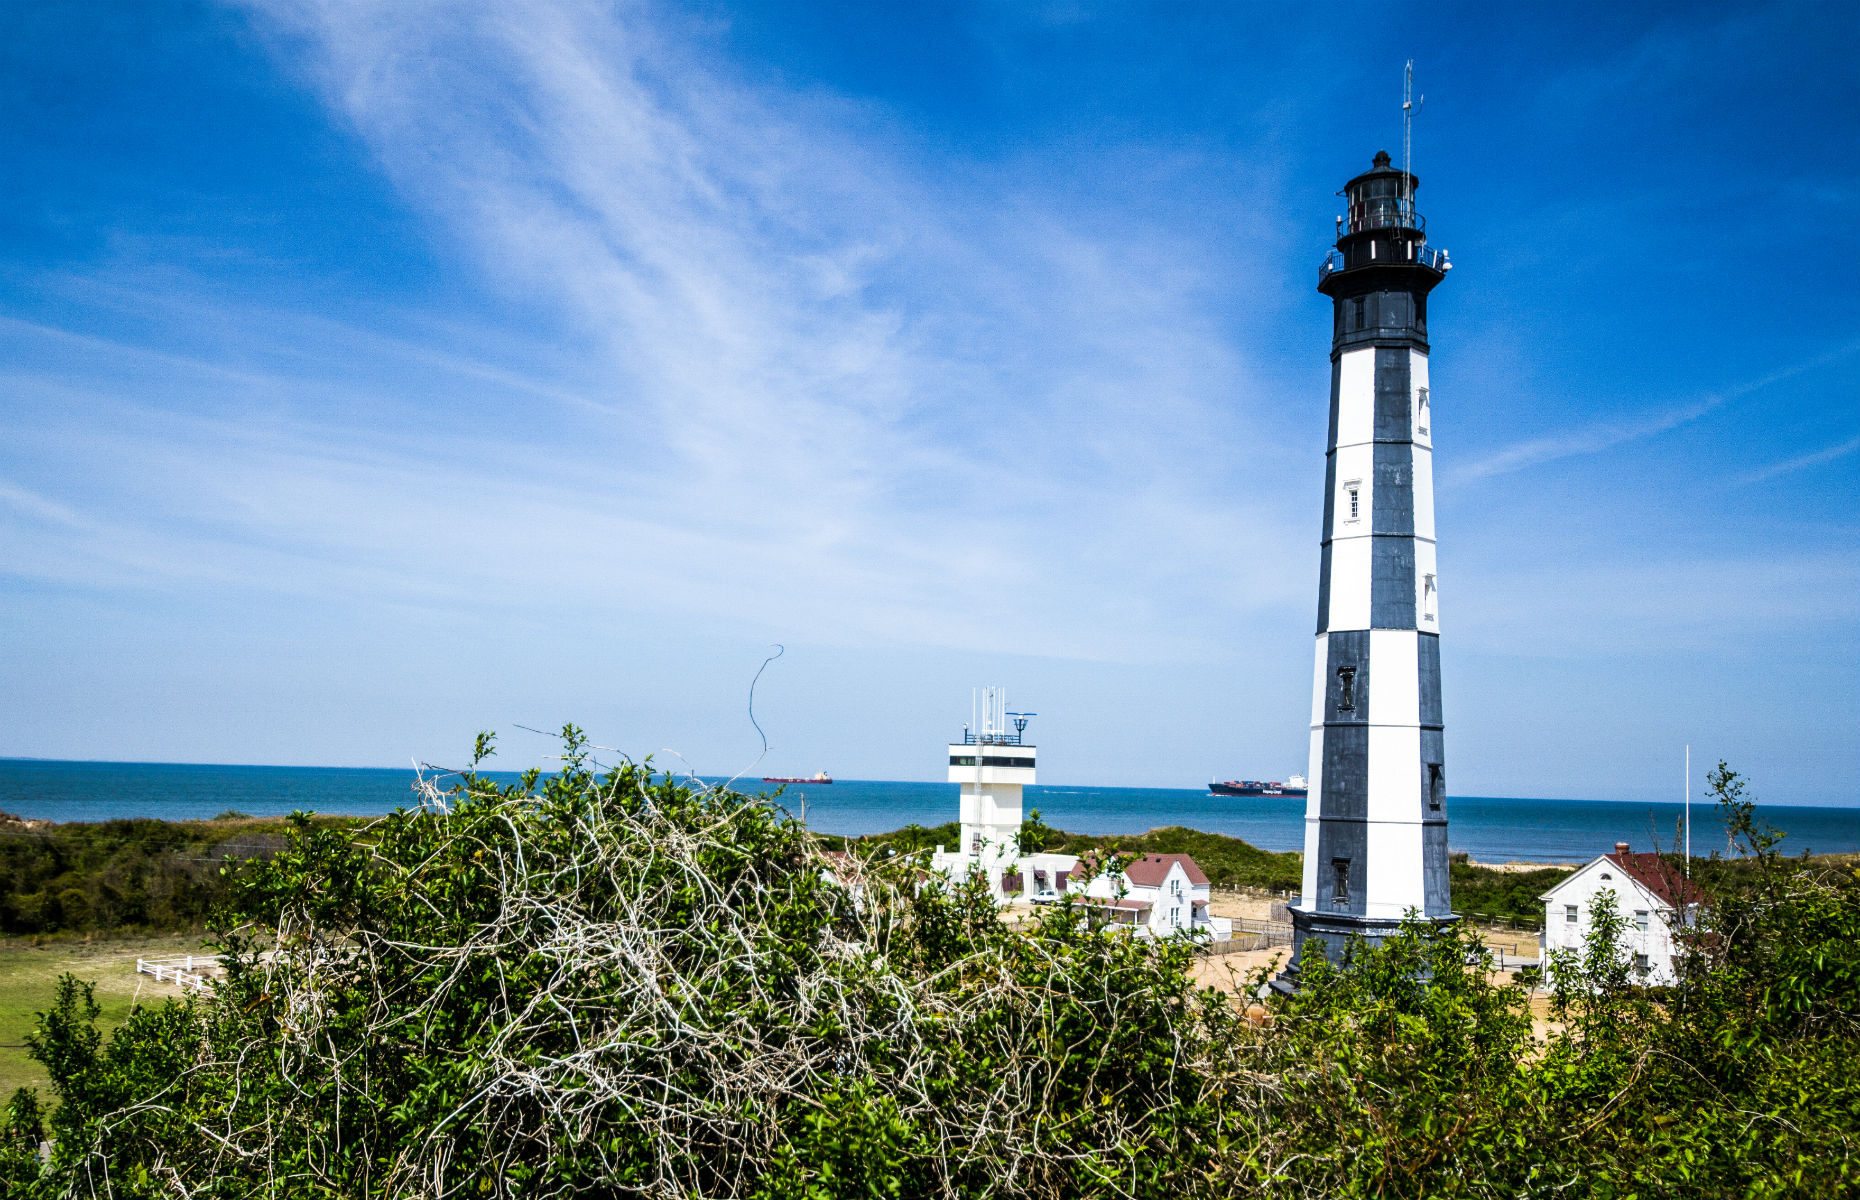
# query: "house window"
1356,310
1346,689
1436,785
1569,913
1427,598
1640,919
975,843
1640,963
1420,419
1353,500
1340,883
1175,887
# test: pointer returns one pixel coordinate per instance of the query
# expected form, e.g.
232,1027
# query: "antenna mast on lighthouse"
1408,108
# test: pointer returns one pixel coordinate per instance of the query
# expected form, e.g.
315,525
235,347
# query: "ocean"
1490,828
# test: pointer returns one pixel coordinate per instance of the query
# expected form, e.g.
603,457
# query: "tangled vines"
650,988
626,986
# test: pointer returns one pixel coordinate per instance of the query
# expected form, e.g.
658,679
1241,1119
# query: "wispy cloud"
39,508
1591,439
1814,458
1599,436
909,412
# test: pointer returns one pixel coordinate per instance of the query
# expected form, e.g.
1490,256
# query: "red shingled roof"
1657,876
1152,869
1148,871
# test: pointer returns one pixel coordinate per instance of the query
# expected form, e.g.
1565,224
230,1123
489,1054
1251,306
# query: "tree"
1036,835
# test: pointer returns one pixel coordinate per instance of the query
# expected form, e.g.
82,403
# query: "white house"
1157,894
1652,897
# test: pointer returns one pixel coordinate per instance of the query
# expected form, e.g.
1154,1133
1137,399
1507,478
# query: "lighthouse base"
1329,936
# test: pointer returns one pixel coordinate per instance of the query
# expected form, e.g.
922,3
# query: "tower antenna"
1409,107
1688,810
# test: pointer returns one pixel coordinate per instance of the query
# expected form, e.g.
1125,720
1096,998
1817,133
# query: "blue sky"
377,374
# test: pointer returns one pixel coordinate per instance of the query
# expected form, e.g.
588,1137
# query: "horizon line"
111,762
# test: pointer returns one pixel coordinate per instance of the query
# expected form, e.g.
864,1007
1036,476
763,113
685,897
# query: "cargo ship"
1295,786
817,777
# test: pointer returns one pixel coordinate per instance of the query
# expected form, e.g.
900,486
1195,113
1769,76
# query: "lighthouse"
1376,816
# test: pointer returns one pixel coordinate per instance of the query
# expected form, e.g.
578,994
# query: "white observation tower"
992,762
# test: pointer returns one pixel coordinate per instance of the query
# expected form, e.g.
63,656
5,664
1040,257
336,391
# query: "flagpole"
1688,810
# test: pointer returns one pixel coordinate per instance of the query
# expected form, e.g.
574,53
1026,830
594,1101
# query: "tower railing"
992,739
1432,257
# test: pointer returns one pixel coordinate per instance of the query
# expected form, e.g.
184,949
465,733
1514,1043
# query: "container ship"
817,777
1295,786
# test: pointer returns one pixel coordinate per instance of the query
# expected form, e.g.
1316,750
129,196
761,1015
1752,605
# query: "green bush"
127,876
1227,861
1484,893
617,985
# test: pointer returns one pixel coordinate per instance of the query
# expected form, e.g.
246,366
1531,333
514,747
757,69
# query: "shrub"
126,876
626,985
616,985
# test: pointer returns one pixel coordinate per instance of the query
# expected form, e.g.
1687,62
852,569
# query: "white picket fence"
185,971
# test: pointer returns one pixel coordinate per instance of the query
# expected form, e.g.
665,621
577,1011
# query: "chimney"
1621,847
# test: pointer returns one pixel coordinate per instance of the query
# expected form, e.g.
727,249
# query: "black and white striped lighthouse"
1376,819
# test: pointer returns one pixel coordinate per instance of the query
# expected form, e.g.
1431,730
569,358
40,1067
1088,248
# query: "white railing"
184,971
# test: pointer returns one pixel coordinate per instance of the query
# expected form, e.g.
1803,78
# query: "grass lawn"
28,975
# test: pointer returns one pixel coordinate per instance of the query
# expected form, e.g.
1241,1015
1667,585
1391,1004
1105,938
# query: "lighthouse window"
1346,689
1352,500
1340,883
1356,311
1421,413
1436,785
1427,598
